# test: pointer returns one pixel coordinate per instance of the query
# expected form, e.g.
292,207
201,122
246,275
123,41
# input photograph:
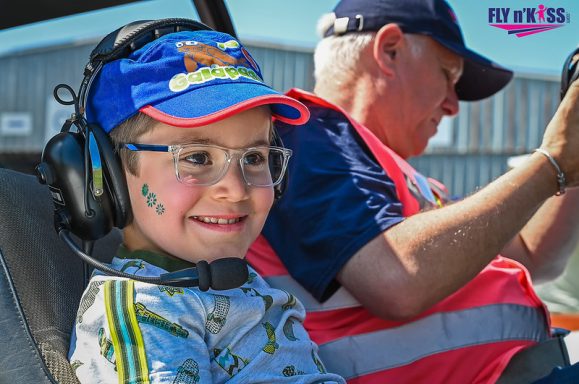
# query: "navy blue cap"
481,77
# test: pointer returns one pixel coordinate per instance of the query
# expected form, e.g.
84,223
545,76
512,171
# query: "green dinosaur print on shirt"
271,346
146,316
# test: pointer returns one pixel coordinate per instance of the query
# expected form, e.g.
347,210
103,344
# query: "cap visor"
481,77
206,105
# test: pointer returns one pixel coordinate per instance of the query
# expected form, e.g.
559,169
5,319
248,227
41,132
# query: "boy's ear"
387,44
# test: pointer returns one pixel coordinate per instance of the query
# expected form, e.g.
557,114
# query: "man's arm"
549,238
422,260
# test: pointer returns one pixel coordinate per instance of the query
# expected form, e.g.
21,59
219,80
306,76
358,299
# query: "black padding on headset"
114,177
570,72
133,36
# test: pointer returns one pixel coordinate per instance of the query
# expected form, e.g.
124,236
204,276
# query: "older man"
399,286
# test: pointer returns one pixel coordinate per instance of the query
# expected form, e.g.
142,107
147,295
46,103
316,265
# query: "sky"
292,23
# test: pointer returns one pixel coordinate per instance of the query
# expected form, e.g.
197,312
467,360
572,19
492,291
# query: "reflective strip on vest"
405,344
440,332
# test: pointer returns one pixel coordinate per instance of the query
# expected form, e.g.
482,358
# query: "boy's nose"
232,186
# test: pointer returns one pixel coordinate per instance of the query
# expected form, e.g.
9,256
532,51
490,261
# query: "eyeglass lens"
206,165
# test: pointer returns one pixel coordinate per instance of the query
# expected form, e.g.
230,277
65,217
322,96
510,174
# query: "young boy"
193,120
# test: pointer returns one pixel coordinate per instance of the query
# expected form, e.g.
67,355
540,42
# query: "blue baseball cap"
481,77
186,79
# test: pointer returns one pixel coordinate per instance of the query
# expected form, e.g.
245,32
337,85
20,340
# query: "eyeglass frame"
175,150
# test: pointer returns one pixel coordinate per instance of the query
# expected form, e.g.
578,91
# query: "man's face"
198,222
425,93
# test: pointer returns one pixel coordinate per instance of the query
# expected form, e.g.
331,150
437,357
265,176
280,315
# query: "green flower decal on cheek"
151,199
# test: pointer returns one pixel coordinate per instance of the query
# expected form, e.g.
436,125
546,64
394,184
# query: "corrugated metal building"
473,151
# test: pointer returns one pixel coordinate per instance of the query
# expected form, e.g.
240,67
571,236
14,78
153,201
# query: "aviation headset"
570,71
84,173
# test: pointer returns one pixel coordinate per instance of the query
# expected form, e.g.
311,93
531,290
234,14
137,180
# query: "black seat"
41,282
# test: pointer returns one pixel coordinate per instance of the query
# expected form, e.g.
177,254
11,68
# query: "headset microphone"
221,274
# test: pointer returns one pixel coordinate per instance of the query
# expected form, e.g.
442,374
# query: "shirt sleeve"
337,199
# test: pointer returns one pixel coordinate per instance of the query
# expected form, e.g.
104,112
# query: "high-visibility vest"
469,337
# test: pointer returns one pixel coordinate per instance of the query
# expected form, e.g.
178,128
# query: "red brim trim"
184,122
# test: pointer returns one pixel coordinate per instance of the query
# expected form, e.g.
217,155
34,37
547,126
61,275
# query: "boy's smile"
225,223
198,222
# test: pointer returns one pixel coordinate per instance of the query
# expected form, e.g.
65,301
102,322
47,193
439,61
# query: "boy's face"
173,218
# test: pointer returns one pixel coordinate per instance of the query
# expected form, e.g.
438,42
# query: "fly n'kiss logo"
529,20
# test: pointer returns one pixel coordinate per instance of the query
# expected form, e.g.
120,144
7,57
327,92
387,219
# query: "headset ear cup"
114,177
279,189
63,168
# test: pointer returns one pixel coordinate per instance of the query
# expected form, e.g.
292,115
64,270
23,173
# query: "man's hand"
561,138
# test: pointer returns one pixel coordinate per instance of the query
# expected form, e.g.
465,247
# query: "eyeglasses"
203,165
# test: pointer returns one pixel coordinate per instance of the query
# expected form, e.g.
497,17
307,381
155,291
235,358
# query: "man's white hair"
337,56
